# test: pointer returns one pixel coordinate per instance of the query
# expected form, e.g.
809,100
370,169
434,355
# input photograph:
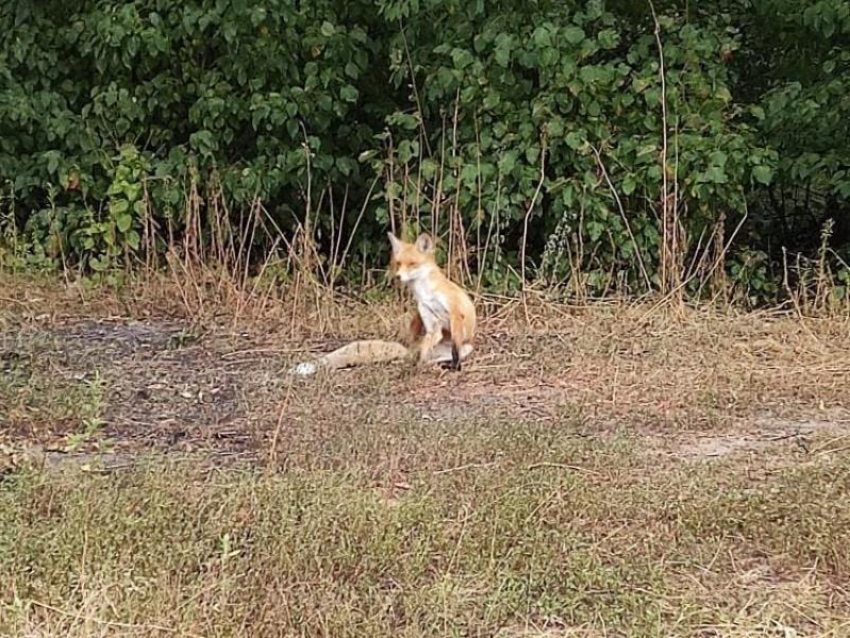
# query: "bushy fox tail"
373,351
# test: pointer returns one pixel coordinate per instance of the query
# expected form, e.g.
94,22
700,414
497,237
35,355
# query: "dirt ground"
694,384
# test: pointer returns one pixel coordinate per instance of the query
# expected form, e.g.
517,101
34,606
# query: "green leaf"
123,222
507,162
629,185
292,128
654,173
118,207
608,38
327,29
723,94
202,141
595,230
365,156
574,140
718,158
52,162
573,34
345,165
652,96
716,175
132,239
542,37
407,150
429,168
763,174
404,120
462,58
348,93
504,45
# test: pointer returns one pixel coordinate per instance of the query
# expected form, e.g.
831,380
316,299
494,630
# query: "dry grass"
609,469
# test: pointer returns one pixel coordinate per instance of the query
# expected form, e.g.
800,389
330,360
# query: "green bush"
531,136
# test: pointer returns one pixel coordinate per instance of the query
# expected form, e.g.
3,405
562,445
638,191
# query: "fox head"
410,262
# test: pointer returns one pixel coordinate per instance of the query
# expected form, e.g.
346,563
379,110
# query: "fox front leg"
416,330
415,333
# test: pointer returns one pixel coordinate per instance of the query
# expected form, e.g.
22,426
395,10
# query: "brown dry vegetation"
608,469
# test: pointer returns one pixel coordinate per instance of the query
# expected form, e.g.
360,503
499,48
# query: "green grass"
533,532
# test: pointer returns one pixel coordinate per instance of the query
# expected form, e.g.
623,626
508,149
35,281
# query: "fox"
445,317
441,330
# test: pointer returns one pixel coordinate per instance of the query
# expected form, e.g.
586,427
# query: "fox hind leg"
415,334
456,325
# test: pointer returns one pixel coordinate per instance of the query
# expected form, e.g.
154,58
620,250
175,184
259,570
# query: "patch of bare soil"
696,387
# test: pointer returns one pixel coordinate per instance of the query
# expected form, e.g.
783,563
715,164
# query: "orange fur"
445,313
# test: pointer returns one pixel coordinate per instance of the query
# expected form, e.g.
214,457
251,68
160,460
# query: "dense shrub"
610,145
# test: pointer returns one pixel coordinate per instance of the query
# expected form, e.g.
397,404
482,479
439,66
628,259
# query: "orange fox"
445,317
442,328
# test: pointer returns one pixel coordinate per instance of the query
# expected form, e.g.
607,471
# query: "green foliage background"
519,129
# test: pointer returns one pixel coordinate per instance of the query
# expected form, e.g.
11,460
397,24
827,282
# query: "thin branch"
619,203
415,90
666,249
528,213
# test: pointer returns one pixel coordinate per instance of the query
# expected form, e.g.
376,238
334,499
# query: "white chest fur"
431,304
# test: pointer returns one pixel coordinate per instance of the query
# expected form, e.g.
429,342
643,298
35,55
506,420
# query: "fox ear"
395,242
424,243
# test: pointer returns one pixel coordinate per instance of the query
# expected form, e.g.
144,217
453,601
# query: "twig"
353,231
468,466
528,213
270,351
783,437
619,203
561,466
833,450
107,623
826,449
415,89
107,469
15,301
283,408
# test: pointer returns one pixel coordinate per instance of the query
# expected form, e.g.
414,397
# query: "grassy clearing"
552,534
594,471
